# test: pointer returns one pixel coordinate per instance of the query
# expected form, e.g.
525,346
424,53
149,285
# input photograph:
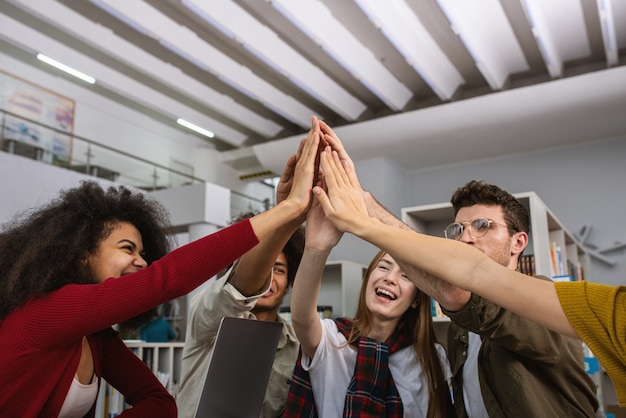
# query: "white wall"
26,183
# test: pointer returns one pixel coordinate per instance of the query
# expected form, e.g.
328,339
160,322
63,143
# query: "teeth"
386,293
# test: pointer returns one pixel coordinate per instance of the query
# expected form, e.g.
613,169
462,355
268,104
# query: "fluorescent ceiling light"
318,23
404,30
234,22
195,128
89,79
560,31
111,80
607,22
488,36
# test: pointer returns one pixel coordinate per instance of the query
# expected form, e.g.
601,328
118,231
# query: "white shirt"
80,398
472,396
333,365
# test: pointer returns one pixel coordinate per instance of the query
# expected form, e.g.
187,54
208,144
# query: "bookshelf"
164,359
341,283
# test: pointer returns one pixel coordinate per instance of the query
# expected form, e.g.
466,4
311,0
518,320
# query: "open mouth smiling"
385,293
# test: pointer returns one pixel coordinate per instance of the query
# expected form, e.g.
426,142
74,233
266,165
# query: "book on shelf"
526,265
554,268
436,309
557,258
575,270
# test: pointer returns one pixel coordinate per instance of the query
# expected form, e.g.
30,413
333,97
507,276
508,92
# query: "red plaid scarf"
371,393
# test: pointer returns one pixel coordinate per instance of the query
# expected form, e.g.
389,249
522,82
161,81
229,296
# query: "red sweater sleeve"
123,370
77,310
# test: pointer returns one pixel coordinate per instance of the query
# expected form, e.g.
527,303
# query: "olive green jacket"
525,370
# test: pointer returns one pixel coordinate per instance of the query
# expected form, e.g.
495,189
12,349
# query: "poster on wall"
26,103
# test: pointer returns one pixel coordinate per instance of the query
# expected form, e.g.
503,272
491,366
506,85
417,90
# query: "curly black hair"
44,249
293,250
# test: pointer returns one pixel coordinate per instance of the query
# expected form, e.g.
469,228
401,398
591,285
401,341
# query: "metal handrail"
250,203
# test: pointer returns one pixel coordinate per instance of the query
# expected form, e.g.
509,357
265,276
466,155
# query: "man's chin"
266,305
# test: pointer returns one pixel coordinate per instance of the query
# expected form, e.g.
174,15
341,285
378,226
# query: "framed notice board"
26,103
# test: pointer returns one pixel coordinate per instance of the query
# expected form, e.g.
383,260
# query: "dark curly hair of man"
45,248
477,192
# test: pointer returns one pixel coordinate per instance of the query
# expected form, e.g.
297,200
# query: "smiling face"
497,243
118,254
272,299
389,291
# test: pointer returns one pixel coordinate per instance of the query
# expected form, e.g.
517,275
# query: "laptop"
239,369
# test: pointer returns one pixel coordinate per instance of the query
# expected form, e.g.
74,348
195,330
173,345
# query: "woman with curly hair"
96,257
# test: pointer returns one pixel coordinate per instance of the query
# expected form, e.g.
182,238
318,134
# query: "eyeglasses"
477,228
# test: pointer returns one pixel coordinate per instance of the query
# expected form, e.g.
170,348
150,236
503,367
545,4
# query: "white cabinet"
164,359
341,283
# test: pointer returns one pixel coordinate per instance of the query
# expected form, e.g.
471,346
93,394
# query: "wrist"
369,229
291,209
318,250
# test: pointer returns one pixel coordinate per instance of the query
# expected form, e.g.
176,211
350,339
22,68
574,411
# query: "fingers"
332,139
290,167
313,131
311,143
328,170
337,168
305,168
323,200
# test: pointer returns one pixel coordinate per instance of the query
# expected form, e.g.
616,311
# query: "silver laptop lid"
239,369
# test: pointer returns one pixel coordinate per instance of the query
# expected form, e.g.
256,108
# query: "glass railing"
49,145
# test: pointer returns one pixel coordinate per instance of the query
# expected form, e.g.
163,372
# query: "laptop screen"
239,369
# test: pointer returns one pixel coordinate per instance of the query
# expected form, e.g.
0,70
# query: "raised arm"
252,271
458,264
320,237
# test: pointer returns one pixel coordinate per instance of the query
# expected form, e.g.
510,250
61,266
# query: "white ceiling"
254,71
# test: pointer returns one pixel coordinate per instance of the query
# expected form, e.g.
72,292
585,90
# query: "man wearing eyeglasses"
503,364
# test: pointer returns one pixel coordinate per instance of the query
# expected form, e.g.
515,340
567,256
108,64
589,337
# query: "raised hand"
344,201
321,234
329,137
286,179
300,170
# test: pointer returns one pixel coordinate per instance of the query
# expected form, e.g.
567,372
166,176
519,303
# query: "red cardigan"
40,342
